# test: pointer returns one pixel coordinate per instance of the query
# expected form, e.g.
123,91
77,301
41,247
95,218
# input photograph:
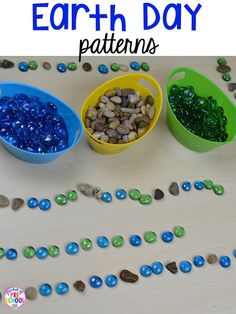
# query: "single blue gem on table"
234,253
103,69
41,252
157,268
23,66
167,236
61,67
111,281
185,266
186,186
198,261
102,242
45,204
135,240
95,282
121,194
11,254
225,261
145,271
32,202
72,248
199,185
61,288
106,197
135,66
45,289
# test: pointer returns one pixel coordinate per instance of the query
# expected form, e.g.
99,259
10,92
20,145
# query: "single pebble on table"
79,286
212,259
172,267
159,194
223,69
174,189
17,203
128,276
231,87
4,201
123,67
31,293
86,189
47,66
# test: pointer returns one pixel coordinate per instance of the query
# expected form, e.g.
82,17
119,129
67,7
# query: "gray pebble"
47,66
86,189
174,188
123,130
128,110
104,138
113,140
88,123
132,136
104,99
125,102
128,124
110,106
231,87
149,100
92,113
108,114
4,201
127,91
112,133
98,134
100,126
114,124
118,91
17,203
123,67
31,293
159,194
90,130
151,112
116,100
141,132
133,99
142,122
110,93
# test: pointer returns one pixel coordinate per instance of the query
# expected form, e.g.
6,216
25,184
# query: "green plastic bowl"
204,87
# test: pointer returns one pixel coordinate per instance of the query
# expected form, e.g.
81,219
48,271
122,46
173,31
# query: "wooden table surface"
209,220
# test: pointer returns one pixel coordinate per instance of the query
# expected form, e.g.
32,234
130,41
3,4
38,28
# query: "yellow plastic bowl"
142,83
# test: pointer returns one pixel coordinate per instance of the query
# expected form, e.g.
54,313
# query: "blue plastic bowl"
71,119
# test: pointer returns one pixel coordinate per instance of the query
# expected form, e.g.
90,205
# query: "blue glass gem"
185,266
32,202
106,197
103,69
145,271
11,254
135,240
135,66
41,253
199,185
61,67
167,236
45,289
198,261
102,242
61,288
95,282
186,186
157,268
234,253
121,194
111,281
72,248
225,261
45,204
23,66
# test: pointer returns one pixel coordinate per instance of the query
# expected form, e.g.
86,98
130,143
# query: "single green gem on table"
134,194
208,184
29,252
222,61
145,199
179,231
2,252
218,189
150,236
226,77
86,244
61,199
72,66
72,195
115,67
33,65
53,251
145,66
117,241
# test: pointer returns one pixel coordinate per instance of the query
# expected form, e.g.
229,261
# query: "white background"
214,36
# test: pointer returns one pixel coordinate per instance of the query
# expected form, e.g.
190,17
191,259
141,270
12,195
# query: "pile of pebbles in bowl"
121,116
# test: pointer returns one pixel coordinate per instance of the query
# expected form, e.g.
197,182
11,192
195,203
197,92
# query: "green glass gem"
226,77
33,65
219,189
117,241
29,252
115,67
72,66
208,184
72,195
222,61
179,231
145,199
145,66
53,251
86,244
2,252
150,236
134,194
61,199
